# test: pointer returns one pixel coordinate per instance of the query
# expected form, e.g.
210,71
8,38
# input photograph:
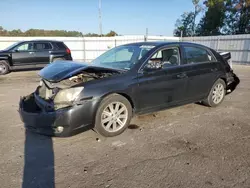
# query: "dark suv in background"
32,54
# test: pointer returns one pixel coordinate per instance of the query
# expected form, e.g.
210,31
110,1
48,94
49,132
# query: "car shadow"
38,161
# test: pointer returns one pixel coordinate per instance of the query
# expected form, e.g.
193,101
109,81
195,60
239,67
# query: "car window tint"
197,55
157,55
42,46
121,55
143,52
24,47
164,58
60,45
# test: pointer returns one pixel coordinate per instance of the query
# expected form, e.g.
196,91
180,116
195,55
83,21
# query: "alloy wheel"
218,93
2,68
114,117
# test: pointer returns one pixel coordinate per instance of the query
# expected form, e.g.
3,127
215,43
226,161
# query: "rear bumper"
232,81
72,120
69,57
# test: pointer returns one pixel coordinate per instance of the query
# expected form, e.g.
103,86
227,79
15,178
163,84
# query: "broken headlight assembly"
66,97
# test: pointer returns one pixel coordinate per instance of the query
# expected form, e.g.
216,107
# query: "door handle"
31,52
181,75
214,69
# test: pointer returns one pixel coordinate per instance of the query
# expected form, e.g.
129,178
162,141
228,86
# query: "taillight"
68,51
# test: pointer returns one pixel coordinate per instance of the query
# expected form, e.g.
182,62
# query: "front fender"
6,58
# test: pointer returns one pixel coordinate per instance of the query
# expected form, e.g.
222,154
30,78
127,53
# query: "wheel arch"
5,58
109,98
52,57
125,95
223,78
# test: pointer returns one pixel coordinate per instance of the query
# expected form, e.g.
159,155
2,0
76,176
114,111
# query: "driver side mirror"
147,70
15,50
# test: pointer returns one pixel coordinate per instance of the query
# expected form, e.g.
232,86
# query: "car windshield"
122,57
11,46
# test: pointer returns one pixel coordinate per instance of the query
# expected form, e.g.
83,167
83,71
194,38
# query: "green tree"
3,32
111,34
237,17
15,32
197,9
184,25
213,20
51,33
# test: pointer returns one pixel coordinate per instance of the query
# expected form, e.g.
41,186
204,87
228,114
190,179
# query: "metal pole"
218,44
146,36
84,50
100,17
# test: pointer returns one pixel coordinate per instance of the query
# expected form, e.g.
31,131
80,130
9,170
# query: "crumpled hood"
60,70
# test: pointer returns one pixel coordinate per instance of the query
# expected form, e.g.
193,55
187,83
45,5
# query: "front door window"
164,58
24,47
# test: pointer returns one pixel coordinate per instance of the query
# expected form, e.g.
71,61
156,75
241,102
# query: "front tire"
4,67
217,94
113,115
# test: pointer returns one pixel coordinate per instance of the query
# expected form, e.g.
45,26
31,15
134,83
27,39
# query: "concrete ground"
188,146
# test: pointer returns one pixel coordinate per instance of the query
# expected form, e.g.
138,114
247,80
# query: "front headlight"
67,95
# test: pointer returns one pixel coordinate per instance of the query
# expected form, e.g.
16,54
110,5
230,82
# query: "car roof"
41,40
163,43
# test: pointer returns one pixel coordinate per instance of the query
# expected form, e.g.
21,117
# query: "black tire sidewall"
5,63
106,101
210,100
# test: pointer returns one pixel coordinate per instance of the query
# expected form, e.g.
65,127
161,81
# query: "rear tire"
58,59
113,115
217,94
4,67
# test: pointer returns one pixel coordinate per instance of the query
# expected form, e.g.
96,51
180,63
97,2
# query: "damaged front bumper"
62,122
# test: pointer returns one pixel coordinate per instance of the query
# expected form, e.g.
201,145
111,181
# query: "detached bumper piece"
60,123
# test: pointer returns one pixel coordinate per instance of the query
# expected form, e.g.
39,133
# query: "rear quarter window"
60,45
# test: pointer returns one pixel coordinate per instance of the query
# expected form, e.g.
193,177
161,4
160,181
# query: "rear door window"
40,46
197,55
